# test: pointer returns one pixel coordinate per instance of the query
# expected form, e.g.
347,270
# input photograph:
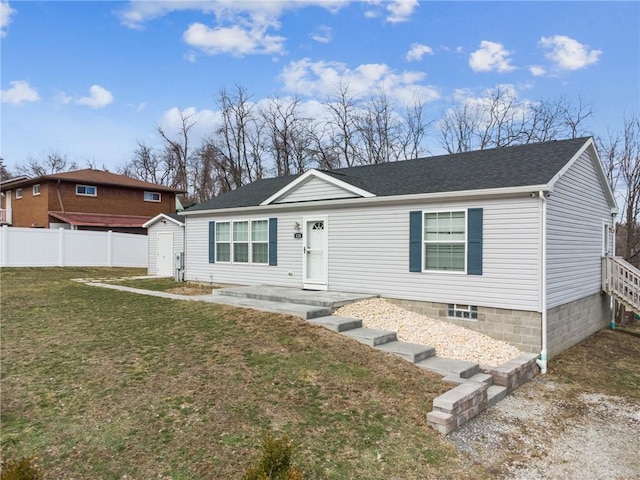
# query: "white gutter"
343,202
542,361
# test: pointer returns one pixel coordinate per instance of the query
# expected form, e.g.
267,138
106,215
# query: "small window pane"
223,252
260,231
241,252
240,231
260,252
444,256
223,232
151,196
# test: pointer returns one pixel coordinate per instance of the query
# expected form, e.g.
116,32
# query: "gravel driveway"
537,432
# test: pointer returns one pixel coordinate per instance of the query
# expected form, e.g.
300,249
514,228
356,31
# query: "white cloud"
401,10
397,11
5,17
20,92
322,34
417,51
137,12
323,79
537,70
99,97
62,97
569,54
233,40
205,122
238,27
489,57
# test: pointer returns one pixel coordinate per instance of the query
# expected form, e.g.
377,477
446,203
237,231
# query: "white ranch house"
507,241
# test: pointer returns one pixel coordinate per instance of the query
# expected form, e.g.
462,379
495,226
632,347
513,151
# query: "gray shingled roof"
522,165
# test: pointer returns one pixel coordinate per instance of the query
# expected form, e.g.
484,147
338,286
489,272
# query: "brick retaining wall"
459,405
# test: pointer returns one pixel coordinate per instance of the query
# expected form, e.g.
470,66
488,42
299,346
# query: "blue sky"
89,79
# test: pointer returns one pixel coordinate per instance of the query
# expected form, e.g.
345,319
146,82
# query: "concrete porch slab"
328,299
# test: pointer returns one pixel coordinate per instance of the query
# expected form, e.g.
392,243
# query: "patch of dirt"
194,289
535,434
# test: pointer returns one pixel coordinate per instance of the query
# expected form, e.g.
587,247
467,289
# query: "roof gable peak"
321,176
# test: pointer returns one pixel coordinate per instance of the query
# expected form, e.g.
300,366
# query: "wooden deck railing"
621,280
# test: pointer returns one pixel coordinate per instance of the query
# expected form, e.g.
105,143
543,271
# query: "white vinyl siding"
152,238
315,189
368,252
576,212
199,268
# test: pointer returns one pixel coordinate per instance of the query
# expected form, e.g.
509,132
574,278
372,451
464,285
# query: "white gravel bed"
450,341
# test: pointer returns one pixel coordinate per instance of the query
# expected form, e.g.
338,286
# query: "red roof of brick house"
99,220
95,177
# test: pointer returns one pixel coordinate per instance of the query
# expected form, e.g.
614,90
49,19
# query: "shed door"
315,253
165,254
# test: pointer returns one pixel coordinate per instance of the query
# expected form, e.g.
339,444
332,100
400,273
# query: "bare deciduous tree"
5,174
621,156
237,143
416,128
52,163
342,126
500,120
287,136
150,165
177,151
380,131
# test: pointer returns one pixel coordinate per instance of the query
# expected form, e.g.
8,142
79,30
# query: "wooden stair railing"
621,280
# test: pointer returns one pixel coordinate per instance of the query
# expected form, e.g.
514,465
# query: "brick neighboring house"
84,200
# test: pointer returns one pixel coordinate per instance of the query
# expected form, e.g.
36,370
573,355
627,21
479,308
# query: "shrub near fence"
30,247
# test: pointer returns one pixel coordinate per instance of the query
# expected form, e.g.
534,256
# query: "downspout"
542,361
612,301
59,196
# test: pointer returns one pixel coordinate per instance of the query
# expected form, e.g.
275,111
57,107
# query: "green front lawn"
98,383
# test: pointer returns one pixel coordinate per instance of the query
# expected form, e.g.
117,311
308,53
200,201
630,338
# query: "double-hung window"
241,242
87,190
223,241
260,241
445,241
36,190
18,193
152,196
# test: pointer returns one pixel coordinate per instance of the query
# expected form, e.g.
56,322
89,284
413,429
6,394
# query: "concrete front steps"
477,388
455,371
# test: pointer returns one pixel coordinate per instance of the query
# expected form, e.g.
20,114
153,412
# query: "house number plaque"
297,235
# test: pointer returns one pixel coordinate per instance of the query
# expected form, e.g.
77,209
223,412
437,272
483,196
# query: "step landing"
328,299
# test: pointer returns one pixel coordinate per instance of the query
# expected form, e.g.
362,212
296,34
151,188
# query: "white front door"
315,253
165,254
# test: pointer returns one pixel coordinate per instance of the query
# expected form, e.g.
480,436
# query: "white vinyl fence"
30,247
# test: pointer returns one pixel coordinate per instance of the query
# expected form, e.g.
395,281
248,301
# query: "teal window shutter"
273,242
474,241
212,242
415,241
